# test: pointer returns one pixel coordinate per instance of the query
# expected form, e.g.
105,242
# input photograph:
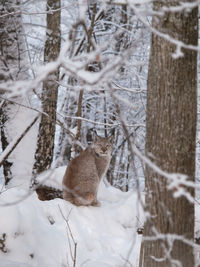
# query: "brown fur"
83,174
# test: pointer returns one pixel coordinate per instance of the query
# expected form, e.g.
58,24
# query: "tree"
12,68
45,143
170,135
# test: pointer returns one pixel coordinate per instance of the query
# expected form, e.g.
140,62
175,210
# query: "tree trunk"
12,67
45,143
7,164
170,137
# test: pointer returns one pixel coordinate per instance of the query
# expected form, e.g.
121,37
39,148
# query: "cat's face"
103,146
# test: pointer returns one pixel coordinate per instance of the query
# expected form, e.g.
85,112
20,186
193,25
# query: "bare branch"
9,149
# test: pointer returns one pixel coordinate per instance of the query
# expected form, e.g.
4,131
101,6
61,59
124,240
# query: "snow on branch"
166,36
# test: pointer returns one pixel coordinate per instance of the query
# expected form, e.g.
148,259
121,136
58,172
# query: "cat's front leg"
96,203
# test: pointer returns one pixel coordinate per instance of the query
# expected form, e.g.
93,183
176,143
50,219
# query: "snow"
23,155
38,232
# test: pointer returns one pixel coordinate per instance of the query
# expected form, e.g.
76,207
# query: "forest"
71,69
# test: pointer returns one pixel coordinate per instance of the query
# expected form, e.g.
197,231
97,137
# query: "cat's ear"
95,136
111,138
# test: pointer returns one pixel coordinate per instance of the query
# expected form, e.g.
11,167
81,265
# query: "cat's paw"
96,203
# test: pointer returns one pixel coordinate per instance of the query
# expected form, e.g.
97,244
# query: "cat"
84,172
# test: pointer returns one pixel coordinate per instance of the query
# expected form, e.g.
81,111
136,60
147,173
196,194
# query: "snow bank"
38,233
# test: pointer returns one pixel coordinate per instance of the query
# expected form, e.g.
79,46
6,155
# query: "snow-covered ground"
44,233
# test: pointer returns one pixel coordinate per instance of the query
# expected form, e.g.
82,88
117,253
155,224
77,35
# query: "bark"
45,143
11,41
170,136
7,164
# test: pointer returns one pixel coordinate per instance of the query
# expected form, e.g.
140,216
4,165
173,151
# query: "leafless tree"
170,135
45,143
12,68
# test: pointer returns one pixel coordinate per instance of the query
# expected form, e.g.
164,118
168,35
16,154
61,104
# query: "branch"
10,148
58,122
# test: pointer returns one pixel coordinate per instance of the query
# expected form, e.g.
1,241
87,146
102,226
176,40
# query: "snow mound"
52,177
57,233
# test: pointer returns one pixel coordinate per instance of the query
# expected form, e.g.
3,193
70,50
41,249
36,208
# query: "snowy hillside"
35,233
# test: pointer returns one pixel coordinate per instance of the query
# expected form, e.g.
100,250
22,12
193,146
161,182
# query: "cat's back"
84,158
81,165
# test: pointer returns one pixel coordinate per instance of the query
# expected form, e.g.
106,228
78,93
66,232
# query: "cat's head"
102,145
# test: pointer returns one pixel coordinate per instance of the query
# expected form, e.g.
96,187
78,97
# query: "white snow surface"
23,155
38,235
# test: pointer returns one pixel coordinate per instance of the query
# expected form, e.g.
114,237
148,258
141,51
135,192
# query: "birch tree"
170,135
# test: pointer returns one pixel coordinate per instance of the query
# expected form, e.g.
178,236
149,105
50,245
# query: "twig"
5,154
71,235
3,243
60,123
126,261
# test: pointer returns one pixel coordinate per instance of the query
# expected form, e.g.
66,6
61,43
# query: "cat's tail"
84,200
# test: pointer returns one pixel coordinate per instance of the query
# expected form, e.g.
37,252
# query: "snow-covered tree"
45,143
13,67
